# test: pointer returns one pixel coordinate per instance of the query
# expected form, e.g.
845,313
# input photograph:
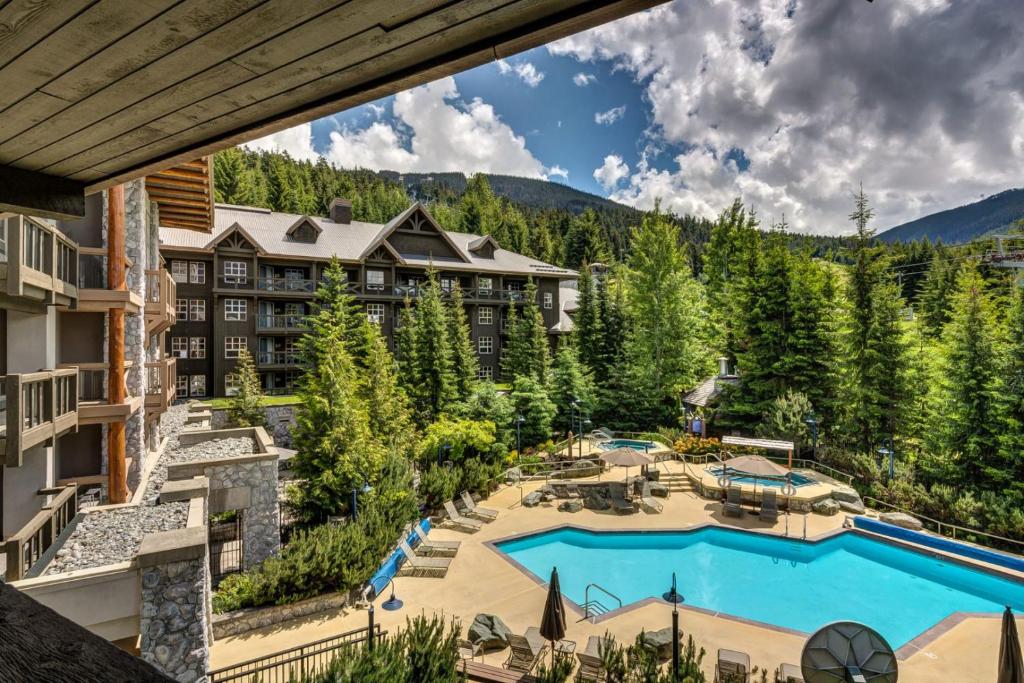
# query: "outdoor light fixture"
888,450
392,604
672,595
519,439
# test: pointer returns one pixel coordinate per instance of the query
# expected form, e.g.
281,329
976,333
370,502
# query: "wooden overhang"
184,194
99,92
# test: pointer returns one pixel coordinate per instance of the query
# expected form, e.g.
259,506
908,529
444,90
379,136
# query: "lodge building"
250,283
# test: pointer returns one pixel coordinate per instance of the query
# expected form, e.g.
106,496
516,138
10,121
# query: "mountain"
538,194
991,215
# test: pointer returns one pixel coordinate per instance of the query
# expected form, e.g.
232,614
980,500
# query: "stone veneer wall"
261,530
136,214
245,620
280,423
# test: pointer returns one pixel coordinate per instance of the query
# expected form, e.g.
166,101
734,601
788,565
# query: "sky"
789,105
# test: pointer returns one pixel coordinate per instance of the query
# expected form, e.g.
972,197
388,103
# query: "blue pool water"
794,584
629,443
741,478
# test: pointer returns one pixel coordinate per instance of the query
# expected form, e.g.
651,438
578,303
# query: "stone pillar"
250,486
174,622
137,214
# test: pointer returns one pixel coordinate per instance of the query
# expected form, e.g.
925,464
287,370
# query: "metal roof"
768,444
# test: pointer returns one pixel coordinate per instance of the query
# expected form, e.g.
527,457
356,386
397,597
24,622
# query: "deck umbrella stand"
1011,667
552,623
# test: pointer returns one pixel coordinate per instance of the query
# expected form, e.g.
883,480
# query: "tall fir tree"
935,294
246,406
388,408
585,241
1011,438
570,380
465,364
587,329
810,365
533,404
434,375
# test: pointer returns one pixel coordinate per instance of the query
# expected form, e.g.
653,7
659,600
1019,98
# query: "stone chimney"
341,211
723,366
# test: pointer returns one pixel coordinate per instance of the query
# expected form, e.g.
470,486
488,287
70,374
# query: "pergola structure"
99,92
766,444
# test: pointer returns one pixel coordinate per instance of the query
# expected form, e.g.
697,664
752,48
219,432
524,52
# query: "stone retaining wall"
280,423
245,620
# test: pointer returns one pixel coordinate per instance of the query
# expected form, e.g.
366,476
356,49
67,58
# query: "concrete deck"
480,580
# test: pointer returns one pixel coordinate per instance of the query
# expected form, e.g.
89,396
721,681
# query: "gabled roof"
478,243
305,220
236,228
708,391
398,220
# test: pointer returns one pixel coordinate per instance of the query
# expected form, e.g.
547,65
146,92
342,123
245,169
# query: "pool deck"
963,648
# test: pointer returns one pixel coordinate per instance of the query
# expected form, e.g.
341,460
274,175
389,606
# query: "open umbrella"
756,465
626,457
1011,669
552,624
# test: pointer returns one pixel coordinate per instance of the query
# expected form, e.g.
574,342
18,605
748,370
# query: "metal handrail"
586,598
953,528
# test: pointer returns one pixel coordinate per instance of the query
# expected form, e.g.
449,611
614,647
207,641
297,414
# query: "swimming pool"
641,446
797,585
743,478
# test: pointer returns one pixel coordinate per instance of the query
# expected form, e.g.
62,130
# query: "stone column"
137,215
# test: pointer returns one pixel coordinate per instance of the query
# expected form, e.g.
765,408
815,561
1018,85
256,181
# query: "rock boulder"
570,506
660,642
901,519
827,507
532,500
489,632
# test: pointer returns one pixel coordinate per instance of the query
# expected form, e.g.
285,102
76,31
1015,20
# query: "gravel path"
212,450
111,536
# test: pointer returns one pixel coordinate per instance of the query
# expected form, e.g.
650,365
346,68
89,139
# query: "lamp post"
812,422
519,439
583,421
574,405
365,488
393,603
675,598
888,450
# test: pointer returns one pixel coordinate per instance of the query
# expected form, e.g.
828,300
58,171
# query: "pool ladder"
594,608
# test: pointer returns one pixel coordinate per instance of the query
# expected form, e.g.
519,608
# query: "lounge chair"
649,503
789,673
732,507
526,650
591,666
468,650
732,667
428,566
572,490
429,546
458,521
620,504
474,510
769,506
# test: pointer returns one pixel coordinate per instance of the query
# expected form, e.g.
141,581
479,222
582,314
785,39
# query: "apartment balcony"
36,407
287,323
269,360
267,286
25,547
93,405
94,296
362,290
161,292
161,377
37,261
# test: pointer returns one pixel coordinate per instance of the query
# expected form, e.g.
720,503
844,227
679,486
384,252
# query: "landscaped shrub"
438,484
479,477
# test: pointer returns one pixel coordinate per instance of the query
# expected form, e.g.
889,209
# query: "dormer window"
304,230
483,247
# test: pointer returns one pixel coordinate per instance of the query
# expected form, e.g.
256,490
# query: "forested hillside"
991,215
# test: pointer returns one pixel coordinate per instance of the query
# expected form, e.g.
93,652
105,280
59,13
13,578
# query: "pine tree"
334,307
971,368
587,330
585,242
1011,438
434,375
532,402
810,346
479,208
526,354
388,410
570,380
246,407
464,360
936,291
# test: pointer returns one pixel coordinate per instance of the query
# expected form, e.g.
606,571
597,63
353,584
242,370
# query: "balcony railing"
94,406
161,292
363,290
277,358
267,322
93,293
37,261
36,407
284,285
26,546
161,381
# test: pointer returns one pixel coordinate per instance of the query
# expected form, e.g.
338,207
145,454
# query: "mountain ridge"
961,224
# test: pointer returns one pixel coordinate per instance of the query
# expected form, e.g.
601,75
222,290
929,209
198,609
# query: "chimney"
341,211
723,367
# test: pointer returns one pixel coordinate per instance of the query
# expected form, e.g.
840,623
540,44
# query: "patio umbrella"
756,465
626,457
552,624
1011,669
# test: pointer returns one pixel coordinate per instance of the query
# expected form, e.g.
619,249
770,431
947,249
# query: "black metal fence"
225,548
287,665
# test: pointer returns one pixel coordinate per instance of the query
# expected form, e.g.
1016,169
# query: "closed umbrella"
552,624
1011,669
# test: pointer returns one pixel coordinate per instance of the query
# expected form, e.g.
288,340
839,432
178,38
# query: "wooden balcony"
161,377
277,359
287,323
27,545
161,291
93,294
37,407
93,405
37,261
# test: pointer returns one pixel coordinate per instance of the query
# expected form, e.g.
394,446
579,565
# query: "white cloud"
582,80
921,100
297,142
607,118
434,130
611,172
526,72
559,172
376,110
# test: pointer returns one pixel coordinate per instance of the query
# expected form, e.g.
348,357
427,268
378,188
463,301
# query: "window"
375,313
197,347
485,372
235,272
486,284
179,347
197,385
233,346
197,309
485,315
181,386
375,279
485,345
235,309
447,284
231,384
549,300
197,272
181,308
179,271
